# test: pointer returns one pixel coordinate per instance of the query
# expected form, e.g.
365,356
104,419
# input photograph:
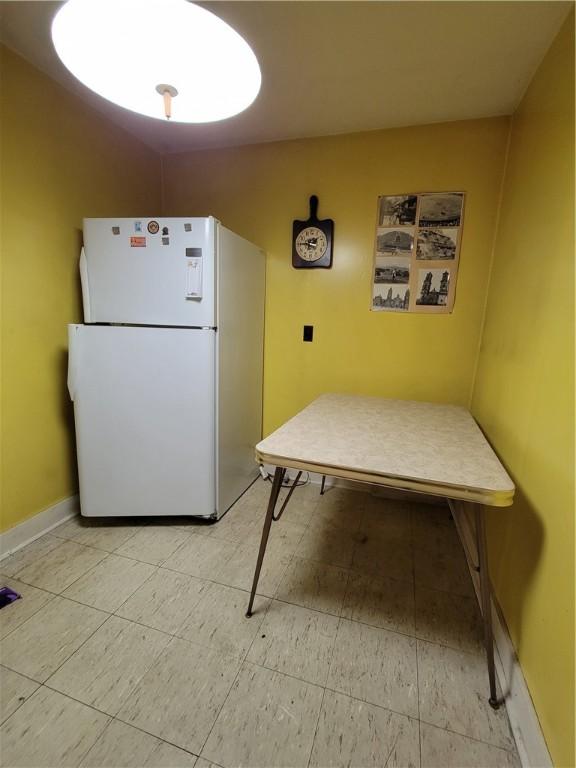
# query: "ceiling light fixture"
161,58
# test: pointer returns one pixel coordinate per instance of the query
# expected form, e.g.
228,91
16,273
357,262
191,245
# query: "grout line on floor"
513,750
116,719
316,727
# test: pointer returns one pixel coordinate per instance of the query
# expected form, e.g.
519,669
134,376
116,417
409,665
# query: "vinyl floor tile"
386,603
110,583
295,641
285,536
14,690
444,749
354,734
238,571
376,666
380,554
219,620
453,691
121,746
326,543
448,619
341,507
15,614
164,600
201,556
153,544
106,535
106,669
61,567
13,564
443,570
236,527
179,698
387,518
302,504
267,720
39,646
313,585
433,529
50,730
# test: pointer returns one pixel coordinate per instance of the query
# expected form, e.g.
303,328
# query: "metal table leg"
276,485
485,591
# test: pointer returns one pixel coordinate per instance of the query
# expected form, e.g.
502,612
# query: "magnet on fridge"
137,226
187,227
137,242
164,231
153,227
115,230
165,241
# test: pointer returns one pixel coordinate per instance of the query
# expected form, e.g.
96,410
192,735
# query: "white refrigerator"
166,372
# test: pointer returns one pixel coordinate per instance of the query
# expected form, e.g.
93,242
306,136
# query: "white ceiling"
340,67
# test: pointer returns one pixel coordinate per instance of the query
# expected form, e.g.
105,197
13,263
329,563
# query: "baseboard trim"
524,721
24,533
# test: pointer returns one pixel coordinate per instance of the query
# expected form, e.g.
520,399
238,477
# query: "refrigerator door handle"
85,286
72,360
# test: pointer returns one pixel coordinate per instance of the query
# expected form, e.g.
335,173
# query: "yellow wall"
524,391
60,161
259,190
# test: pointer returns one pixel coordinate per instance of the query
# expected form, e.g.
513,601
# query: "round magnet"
153,227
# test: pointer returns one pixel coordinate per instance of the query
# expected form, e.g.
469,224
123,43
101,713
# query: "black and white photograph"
386,296
436,243
433,287
389,269
440,210
397,210
394,242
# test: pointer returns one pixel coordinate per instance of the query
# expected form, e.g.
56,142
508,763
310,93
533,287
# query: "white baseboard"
524,721
17,537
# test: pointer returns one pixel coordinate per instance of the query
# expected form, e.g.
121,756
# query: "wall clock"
312,240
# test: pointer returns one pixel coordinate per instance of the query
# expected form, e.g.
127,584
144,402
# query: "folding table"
413,446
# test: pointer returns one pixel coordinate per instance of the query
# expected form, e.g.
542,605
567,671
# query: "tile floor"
131,648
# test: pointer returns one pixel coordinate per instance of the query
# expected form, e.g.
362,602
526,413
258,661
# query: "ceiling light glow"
158,57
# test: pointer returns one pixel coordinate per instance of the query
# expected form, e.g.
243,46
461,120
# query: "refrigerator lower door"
145,413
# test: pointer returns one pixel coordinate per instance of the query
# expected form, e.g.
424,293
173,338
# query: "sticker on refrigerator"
165,241
187,227
137,242
137,226
115,230
165,231
153,227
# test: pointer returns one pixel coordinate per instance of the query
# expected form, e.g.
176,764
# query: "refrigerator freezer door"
138,271
145,412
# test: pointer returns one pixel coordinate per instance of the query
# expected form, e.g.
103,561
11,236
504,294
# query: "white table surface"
424,447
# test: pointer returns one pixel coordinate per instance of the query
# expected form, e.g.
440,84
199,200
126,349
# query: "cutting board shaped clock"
312,240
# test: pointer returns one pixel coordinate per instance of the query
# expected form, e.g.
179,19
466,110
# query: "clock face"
311,244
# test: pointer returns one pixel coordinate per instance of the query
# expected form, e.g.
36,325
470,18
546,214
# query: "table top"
424,447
